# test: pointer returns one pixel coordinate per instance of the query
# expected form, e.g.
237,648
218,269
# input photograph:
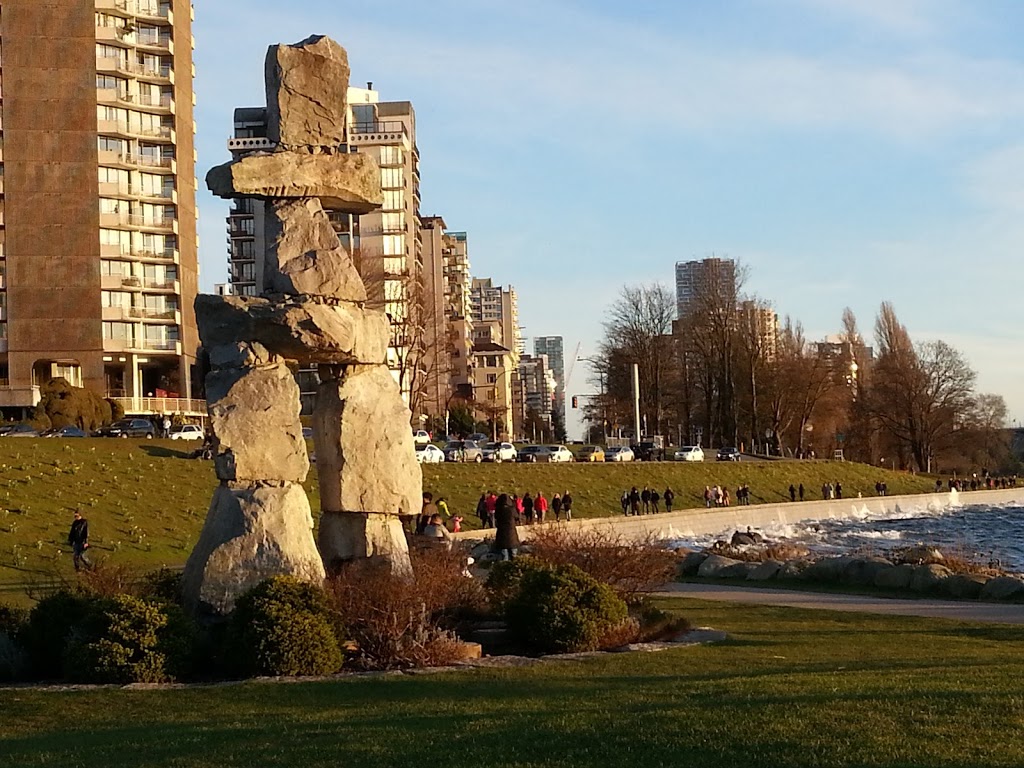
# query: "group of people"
647,501
718,495
527,509
984,483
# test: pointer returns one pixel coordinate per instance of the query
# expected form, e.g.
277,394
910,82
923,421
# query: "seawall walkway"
724,520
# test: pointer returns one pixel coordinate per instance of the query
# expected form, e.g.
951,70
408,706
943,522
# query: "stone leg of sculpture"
366,462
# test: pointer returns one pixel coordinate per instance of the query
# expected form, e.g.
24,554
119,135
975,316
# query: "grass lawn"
790,688
146,502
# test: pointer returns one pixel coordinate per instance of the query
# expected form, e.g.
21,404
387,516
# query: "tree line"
728,373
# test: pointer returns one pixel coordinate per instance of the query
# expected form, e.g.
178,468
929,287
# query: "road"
996,613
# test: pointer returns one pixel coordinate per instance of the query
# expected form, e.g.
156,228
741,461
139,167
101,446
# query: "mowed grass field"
146,501
789,688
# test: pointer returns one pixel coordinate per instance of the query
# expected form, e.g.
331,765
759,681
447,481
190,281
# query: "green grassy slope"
146,502
790,688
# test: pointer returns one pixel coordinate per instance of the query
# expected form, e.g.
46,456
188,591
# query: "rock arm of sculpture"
311,311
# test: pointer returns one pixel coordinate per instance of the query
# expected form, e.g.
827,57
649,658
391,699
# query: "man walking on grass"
78,538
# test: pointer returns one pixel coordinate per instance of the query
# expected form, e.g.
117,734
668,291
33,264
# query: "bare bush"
630,567
396,622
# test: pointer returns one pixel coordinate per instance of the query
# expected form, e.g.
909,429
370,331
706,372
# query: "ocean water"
987,534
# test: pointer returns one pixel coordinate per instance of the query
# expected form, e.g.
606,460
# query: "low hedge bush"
14,662
283,626
560,609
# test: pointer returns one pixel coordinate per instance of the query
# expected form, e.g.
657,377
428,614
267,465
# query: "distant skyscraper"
552,347
98,267
693,277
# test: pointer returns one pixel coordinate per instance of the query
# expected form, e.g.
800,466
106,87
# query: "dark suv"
648,450
129,428
728,454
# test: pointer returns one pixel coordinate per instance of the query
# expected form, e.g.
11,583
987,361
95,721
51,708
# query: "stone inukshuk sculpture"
311,312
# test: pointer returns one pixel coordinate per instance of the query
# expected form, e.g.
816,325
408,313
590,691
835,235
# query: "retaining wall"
724,520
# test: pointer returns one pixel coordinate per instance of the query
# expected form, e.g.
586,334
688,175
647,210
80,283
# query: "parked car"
499,452
420,437
479,437
429,454
307,433
189,432
69,430
690,453
463,450
618,453
534,454
128,428
648,450
728,454
560,454
18,430
590,453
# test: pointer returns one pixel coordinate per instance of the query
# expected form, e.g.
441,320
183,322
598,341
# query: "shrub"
163,585
14,662
559,609
629,567
395,622
50,624
62,404
283,626
127,639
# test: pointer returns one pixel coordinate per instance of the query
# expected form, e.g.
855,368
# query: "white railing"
158,405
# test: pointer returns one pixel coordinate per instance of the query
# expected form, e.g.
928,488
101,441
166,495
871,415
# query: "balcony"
252,144
148,222
149,313
18,397
152,406
142,345
162,42
162,195
114,220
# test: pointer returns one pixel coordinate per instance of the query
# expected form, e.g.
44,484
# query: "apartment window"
391,156
364,113
110,144
392,177
110,206
104,51
112,114
115,268
113,176
115,299
394,200
117,331
492,378
394,265
392,222
243,273
242,250
111,83
115,237
394,245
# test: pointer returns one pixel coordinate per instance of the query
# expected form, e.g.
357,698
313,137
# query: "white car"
559,453
187,432
499,452
690,453
429,454
618,453
421,437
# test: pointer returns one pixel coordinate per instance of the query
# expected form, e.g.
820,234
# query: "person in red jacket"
540,506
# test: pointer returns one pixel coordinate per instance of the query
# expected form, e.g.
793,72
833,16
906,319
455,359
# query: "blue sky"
848,152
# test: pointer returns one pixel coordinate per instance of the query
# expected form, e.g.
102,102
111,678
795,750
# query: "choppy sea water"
988,534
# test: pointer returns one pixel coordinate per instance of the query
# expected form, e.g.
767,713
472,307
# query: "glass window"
110,144
391,156
118,331
394,245
394,200
391,178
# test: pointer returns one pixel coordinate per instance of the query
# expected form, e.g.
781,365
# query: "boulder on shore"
1001,588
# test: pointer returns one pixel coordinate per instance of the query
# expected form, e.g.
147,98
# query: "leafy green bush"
127,639
283,626
559,609
503,579
14,662
50,625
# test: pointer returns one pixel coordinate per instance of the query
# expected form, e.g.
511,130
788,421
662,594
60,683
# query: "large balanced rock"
251,533
304,255
366,459
307,88
344,536
347,182
297,328
255,417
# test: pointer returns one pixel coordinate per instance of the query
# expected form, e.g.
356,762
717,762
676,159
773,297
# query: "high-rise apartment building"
98,266
539,389
386,245
695,277
496,315
552,347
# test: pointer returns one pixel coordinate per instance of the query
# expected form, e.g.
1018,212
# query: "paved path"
999,613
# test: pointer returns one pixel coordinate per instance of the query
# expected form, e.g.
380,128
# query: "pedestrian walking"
491,504
78,538
800,490
506,537
528,508
518,502
540,506
707,496
634,501
481,510
839,489
669,497
556,507
792,492
624,501
567,506
645,498
655,498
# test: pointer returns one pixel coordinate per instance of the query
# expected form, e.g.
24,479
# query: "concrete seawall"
724,520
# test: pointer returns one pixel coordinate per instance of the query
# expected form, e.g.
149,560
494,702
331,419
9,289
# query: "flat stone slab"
347,182
299,328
